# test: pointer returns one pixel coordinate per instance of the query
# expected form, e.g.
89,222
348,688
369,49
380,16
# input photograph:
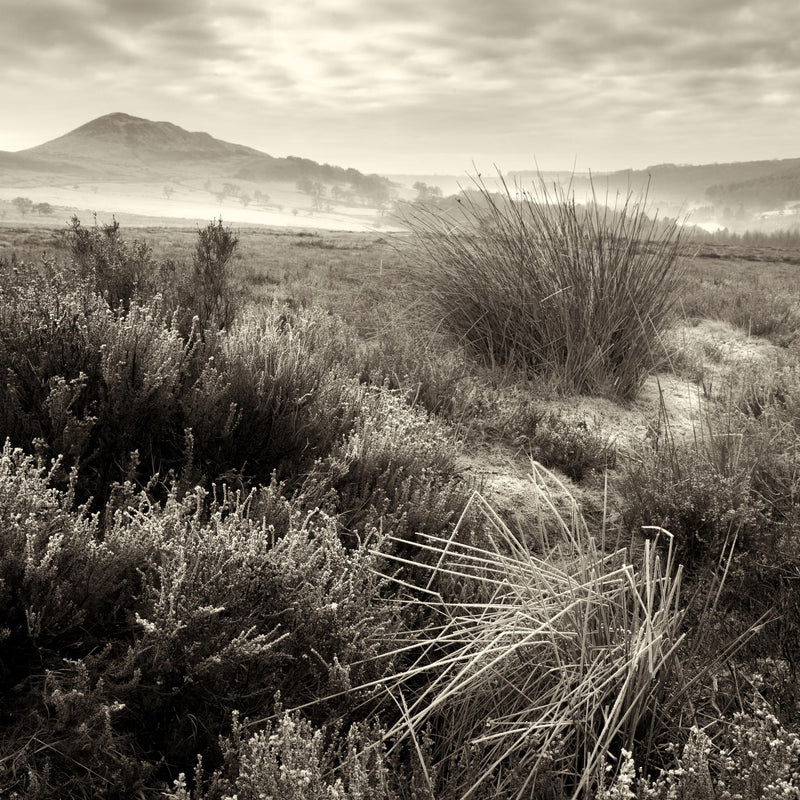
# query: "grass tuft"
539,665
578,294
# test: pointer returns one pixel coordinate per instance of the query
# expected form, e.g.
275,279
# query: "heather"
256,539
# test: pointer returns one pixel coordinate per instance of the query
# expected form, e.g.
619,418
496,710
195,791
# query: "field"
274,525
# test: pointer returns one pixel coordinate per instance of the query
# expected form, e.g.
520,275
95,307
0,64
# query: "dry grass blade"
540,665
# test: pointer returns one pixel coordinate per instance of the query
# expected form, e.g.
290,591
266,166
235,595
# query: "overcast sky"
418,85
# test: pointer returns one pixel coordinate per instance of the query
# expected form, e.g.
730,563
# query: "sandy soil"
679,401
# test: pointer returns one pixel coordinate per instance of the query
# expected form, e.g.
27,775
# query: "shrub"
753,758
729,498
704,504
396,465
214,291
65,743
762,310
276,396
229,614
579,294
118,270
570,444
130,647
289,758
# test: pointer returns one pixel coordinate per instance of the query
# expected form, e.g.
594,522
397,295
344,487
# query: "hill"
119,146
758,185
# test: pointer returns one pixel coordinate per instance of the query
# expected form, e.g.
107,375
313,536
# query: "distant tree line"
759,194
25,206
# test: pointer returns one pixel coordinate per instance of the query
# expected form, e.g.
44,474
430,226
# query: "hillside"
123,147
760,185
119,164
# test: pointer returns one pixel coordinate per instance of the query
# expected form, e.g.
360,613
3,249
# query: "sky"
419,86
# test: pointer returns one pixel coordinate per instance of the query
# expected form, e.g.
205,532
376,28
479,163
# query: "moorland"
505,510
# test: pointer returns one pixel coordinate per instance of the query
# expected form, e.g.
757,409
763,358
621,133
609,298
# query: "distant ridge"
757,184
119,146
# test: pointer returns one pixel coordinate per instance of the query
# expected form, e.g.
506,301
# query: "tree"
22,204
246,199
168,192
43,209
317,195
426,193
305,185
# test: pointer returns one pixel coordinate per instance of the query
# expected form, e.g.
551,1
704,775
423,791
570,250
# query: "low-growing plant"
753,757
119,270
126,649
761,310
396,465
290,758
213,285
572,445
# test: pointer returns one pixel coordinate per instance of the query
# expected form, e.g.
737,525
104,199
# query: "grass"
577,294
194,523
540,665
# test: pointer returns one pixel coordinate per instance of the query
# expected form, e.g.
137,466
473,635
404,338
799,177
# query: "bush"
122,271
118,270
131,646
214,292
291,759
753,758
579,294
396,465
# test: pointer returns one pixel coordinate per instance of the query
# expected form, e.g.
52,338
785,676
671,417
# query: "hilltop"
125,165
119,146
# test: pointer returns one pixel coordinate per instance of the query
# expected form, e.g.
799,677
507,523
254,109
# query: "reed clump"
532,279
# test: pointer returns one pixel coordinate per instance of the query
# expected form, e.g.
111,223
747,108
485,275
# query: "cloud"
522,74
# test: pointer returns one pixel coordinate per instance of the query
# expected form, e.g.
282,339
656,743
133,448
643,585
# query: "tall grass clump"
532,279
538,666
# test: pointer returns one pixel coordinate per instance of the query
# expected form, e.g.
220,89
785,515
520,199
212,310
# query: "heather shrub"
706,505
570,444
157,627
290,758
229,614
576,294
762,310
118,270
277,396
94,385
396,465
214,294
58,580
424,368
97,386
121,271
64,741
729,498
753,757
